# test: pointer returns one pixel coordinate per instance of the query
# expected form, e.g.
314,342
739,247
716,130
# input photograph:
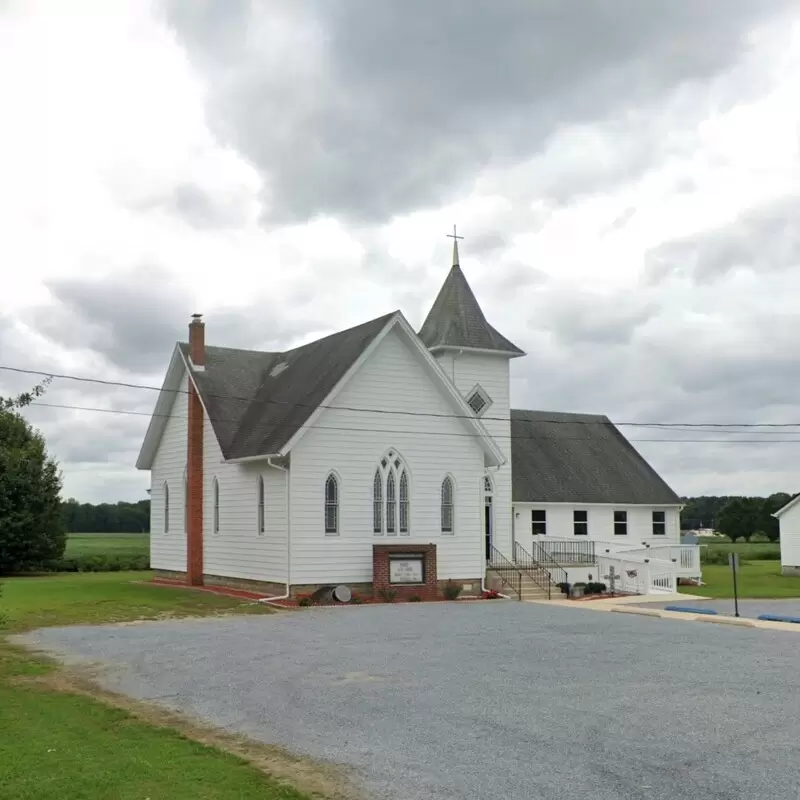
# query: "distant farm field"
107,544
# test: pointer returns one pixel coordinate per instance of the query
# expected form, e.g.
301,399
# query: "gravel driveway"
483,700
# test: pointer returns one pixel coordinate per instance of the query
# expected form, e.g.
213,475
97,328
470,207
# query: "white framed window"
539,522
478,400
447,505
166,507
260,516
403,508
391,496
377,503
215,503
620,523
331,505
580,523
659,523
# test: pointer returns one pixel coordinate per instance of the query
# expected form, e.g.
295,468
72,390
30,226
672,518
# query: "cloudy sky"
625,175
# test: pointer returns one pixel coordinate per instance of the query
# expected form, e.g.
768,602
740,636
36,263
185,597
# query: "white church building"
381,457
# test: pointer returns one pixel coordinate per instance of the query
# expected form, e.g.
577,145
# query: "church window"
166,507
620,523
580,523
215,500
539,522
391,504
447,505
478,400
331,504
659,523
260,500
403,501
377,503
391,497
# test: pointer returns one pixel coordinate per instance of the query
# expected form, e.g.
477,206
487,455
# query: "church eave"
484,351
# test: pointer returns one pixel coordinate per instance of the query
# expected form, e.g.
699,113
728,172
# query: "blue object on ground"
689,610
779,618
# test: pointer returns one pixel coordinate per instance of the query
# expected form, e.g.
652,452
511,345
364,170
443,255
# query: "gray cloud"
762,240
375,108
133,319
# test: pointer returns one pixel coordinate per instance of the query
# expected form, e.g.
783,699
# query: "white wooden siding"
601,522
168,550
391,379
790,537
492,373
238,551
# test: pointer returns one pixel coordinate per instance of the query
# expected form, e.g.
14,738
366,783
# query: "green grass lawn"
61,745
761,579
107,544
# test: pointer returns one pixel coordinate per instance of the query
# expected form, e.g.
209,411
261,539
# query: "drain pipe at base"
287,480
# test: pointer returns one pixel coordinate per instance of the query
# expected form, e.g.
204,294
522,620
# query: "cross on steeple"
455,237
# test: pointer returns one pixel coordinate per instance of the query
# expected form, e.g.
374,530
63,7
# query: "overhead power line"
300,426
666,425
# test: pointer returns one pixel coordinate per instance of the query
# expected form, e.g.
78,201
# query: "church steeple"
456,321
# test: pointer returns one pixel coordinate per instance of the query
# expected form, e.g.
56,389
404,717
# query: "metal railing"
566,551
540,558
509,574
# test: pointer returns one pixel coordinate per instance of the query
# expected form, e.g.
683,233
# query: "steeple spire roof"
456,320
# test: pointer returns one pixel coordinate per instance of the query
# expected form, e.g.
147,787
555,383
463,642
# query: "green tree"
741,517
30,524
769,525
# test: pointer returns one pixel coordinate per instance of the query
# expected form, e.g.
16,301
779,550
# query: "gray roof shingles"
255,412
579,458
456,320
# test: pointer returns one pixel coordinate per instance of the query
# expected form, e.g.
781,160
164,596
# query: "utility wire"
666,425
301,426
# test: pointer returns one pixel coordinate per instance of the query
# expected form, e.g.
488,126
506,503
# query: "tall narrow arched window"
391,496
260,504
331,504
215,500
447,505
403,502
391,504
166,507
186,500
377,503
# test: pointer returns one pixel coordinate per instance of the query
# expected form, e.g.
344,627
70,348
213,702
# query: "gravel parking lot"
495,699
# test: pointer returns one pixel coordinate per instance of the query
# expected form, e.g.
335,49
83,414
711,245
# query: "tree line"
118,517
736,517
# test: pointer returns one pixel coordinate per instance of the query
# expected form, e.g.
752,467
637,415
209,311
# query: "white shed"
789,521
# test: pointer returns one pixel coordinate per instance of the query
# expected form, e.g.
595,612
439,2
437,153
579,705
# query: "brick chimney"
194,459
197,342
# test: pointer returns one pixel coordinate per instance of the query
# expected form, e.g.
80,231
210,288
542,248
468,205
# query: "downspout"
288,537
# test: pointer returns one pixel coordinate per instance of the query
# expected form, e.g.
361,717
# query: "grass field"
123,544
760,579
59,744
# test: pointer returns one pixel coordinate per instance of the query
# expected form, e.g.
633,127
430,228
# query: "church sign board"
406,569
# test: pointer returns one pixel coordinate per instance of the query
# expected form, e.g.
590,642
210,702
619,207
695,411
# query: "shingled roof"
579,458
456,319
257,400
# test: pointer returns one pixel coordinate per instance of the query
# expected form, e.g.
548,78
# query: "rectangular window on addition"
539,522
620,523
659,523
580,523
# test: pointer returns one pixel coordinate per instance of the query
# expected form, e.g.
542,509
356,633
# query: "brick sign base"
381,554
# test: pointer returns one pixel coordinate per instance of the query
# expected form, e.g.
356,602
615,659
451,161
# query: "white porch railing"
686,557
635,576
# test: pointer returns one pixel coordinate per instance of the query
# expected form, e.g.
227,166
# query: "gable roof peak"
457,321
